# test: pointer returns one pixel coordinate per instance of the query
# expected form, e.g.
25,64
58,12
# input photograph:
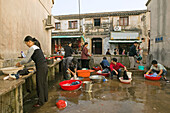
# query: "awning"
124,36
124,41
69,37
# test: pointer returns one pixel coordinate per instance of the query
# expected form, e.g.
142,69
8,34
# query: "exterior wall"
65,27
160,25
137,23
19,19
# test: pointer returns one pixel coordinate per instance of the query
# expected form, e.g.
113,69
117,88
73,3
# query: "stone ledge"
8,85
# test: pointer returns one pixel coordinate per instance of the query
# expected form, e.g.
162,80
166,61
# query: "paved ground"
141,96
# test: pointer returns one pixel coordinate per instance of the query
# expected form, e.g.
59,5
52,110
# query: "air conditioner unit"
50,24
117,28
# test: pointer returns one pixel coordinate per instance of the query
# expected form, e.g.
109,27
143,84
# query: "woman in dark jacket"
35,53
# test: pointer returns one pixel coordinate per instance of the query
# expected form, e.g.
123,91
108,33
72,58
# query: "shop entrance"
97,46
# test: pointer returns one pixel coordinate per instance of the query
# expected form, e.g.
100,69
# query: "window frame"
94,22
75,26
125,17
57,23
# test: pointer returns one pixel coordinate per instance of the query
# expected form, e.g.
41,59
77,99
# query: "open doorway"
97,46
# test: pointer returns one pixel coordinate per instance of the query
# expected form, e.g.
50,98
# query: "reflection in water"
140,96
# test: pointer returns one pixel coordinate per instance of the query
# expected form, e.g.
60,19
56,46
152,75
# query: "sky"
65,7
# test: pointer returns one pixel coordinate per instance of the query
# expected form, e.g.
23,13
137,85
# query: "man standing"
67,57
132,54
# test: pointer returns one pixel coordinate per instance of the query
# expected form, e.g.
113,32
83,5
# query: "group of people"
117,52
134,53
114,67
71,65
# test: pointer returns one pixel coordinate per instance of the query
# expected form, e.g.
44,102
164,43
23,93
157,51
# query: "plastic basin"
141,67
83,73
103,74
96,68
125,81
97,78
151,77
73,87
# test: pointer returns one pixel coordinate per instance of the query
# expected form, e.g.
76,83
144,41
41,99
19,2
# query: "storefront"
58,43
123,40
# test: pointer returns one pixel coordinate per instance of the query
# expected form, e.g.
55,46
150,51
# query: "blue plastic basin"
141,67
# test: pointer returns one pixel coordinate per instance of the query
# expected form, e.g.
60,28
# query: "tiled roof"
102,14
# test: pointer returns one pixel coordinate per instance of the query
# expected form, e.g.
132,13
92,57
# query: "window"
97,22
72,24
57,26
124,21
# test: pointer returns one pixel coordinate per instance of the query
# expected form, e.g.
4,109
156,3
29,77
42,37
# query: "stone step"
137,72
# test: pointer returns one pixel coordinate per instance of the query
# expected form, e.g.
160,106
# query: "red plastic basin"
103,74
97,68
73,87
151,78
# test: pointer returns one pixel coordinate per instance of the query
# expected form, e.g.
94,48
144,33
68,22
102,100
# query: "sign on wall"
125,35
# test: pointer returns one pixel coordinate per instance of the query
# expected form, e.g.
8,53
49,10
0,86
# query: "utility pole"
79,16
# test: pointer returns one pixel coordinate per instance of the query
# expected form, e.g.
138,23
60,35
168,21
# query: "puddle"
142,96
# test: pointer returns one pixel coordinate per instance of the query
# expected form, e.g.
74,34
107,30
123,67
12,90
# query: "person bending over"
115,68
159,69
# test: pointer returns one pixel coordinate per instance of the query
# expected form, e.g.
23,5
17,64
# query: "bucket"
141,67
87,86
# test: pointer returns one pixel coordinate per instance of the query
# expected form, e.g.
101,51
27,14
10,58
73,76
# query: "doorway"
97,46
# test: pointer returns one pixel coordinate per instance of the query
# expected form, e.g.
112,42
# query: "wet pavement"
142,96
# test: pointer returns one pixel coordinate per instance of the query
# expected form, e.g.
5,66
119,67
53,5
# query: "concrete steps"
137,72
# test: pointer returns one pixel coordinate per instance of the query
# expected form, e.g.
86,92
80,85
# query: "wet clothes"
36,54
125,76
164,73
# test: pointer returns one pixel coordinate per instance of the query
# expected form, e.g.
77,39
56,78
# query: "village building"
159,31
21,18
103,30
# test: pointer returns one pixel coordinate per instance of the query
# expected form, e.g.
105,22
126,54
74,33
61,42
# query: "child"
115,68
159,69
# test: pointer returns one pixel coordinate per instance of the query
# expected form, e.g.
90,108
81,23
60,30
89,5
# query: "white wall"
65,26
19,18
160,25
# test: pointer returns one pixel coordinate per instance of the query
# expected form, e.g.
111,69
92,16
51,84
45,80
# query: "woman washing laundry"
72,68
35,53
